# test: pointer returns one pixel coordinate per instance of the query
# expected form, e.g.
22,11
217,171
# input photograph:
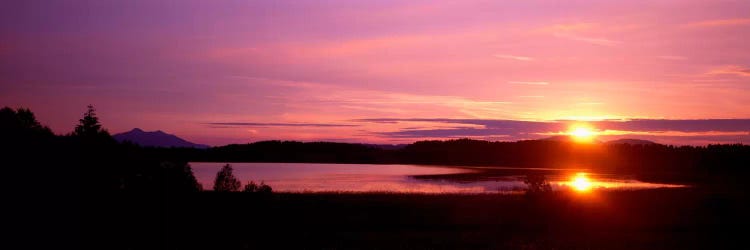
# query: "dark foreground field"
650,219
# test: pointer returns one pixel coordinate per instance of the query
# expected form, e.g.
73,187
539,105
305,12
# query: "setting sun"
581,133
580,182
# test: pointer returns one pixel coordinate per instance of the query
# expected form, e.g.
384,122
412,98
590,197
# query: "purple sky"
219,72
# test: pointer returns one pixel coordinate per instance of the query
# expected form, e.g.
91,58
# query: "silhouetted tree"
264,189
192,183
28,152
21,123
180,178
89,125
250,187
225,180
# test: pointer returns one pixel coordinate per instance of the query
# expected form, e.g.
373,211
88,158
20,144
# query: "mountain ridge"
156,138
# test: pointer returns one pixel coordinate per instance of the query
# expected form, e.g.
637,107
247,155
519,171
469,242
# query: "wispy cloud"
302,97
682,125
591,40
528,83
731,70
514,57
569,27
444,133
475,128
262,124
720,23
516,130
700,125
531,96
278,82
673,58
589,103
580,32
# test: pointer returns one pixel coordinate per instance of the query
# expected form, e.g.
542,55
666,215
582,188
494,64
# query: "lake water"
314,177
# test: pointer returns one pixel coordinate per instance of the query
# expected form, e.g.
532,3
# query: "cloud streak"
721,23
705,129
731,70
513,57
672,58
576,32
272,124
528,83
591,40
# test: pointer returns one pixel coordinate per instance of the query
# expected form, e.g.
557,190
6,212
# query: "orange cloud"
721,23
732,70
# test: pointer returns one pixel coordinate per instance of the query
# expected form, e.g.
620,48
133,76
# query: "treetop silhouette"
89,125
226,181
21,122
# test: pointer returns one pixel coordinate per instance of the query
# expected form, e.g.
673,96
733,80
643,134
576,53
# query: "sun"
580,182
582,133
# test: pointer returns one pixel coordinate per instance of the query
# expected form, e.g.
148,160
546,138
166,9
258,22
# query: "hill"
155,139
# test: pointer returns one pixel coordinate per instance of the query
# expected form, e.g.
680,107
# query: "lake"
324,177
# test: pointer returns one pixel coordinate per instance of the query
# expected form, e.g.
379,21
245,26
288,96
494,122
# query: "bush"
264,189
250,187
226,181
255,188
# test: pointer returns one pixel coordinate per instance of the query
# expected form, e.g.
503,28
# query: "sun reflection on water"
311,177
580,182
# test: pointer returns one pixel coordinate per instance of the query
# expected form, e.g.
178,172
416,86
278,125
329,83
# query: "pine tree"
89,125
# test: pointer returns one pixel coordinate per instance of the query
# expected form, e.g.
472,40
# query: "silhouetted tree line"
88,160
85,188
226,182
620,158
692,163
293,151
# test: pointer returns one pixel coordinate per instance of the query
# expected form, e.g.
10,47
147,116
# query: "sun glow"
582,133
580,182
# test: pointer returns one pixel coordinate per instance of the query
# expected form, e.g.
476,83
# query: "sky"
388,72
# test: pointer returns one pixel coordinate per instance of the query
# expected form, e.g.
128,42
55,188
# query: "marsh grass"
659,218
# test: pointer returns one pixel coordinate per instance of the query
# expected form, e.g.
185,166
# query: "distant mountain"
632,142
155,139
